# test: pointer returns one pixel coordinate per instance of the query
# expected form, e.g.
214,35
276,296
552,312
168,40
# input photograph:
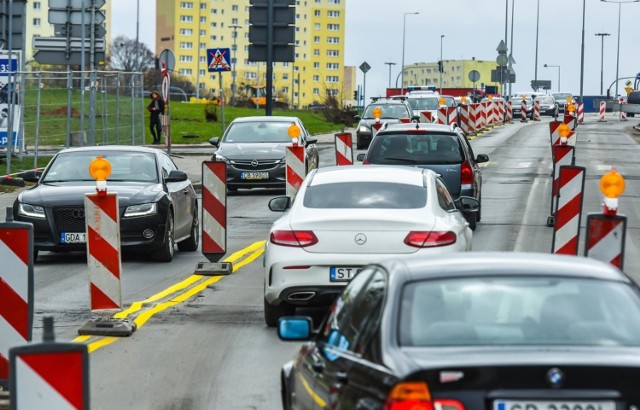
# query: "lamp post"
198,57
390,64
404,32
234,59
441,62
548,66
619,17
138,68
602,36
535,75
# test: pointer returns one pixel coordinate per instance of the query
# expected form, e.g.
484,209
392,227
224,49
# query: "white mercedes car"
344,218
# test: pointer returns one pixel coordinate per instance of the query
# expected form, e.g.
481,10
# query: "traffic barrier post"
523,111
502,112
580,112
464,119
49,375
295,169
536,110
623,114
485,115
509,111
344,148
603,109
452,116
16,288
426,116
443,118
562,155
566,231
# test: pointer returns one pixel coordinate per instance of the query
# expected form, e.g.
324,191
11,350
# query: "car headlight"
32,211
222,158
364,129
140,210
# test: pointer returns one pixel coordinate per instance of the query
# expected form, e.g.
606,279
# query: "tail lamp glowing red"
466,174
297,239
421,239
416,396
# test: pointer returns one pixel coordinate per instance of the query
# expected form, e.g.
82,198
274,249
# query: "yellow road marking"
319,401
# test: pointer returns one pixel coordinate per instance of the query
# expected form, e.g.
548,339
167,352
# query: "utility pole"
390,64
441,62
234,51
602,36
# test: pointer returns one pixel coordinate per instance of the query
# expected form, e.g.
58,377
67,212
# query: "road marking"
313,394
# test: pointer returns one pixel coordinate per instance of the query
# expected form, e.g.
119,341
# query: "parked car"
254,150
517,107
440,148
634,98
344,218
392,111
548,105
158,205
561,98
503,331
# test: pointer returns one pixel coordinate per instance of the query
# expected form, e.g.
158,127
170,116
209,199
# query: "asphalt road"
202,342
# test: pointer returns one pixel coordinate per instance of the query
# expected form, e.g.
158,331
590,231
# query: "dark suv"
392,111
440,148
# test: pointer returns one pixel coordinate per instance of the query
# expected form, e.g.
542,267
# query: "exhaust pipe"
301,296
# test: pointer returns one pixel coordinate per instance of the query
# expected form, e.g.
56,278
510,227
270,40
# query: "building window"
202,73
186,19
316,52
214,24
316,78
285,77
234,22
213,38
203,6
186,71
203,33
234,7
333,40
333,79
316,91
203,60
203,19
334,1
186,5
333,27
316,39
333,53
250,76
214,11
186,45
37,5
186,59
333,14
186,32
316,65
36,22
316,26
333,66
316,13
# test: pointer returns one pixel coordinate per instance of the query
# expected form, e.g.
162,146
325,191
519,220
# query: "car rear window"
388,111
258,131
366,195
519,311
423,103
410,148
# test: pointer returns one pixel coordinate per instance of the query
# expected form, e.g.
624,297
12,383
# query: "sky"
472,28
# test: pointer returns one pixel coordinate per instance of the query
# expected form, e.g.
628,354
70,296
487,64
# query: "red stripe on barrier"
617,261
57,369
106,204
601,230
14,309
103,252
210,245
101,301
214,207
18,241
568,212
4,367
220,172
294,179
570,248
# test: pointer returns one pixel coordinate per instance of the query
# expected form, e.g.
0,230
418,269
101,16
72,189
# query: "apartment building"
190,27
455,75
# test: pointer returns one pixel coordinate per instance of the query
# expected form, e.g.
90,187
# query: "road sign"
538,84
281,53
75,4
474,76
61,44
75,17
168,58
502,47
17,16
365,67
502,60
60,58
218,60
76,30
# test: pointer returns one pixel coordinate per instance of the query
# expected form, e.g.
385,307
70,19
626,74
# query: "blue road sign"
218,60
5,69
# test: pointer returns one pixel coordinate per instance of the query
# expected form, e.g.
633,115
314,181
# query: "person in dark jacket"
156,107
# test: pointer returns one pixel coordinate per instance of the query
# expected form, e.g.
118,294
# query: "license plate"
69,237
254,175
553,405
343,273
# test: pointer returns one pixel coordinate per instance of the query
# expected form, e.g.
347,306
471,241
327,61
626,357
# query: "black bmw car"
499,331
158,205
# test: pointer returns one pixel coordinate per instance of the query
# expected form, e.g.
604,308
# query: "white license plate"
70,237
254,175
343,273
552,405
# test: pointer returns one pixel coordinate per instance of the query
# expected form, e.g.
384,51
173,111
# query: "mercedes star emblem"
361,239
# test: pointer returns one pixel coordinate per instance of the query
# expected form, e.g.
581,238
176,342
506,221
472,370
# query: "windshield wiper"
413,161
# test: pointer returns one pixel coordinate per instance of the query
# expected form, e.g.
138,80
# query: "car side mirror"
280,204
360,157
467,204
176,176
31,176
415,118
310,140
294,328
482,158
215,141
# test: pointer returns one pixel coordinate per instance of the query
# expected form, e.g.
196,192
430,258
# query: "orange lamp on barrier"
464,100
441,101
100,169
294,133
612,186
490,97
571,107
564,131
377,113
569,99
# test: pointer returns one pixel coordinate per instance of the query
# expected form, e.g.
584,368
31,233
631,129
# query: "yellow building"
189,28
455,75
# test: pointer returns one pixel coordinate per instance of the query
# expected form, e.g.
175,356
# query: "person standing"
156,108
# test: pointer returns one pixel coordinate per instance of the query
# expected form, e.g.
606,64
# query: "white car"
344,218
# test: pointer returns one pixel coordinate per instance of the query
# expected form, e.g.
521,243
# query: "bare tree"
125,56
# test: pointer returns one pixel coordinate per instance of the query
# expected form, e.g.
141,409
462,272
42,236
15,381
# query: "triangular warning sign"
219,61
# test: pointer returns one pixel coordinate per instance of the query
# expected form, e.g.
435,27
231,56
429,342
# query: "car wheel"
478,214
272,313
165,254
472,218
191,243
35,255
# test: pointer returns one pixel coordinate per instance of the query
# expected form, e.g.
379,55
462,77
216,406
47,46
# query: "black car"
517,107
441,148
501,331
254,150
392,110
158,205
548,105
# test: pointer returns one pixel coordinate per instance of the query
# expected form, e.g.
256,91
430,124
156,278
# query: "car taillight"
365,162
416,396
293,238
466,174
419,239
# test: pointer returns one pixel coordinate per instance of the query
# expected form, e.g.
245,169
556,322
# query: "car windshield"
388,111
125,166
519,310
258,131
423,103
412,148
545,100
562,96
450,101
369,195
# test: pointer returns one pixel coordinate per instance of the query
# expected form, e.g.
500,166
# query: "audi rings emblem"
360,239
255,163
78,213
555,377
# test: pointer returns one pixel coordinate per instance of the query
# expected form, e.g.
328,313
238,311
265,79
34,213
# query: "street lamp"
404,24
441,62
584,6
602,36
390,64
549,65
234,59
535,75
619,16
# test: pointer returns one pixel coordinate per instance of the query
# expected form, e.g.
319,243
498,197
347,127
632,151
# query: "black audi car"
500,331
254,151
158,205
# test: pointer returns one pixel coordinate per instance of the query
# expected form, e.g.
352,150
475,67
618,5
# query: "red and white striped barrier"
214,210
523,111
485,115
496,113
426,116
344,148
376,126
580,113
296,169
603,109
443,118
536,110
464,119
562,155
404,120
473,117
623,114
566,230
606,238
555,136
102,219
16,288
452,115
509,111
501,112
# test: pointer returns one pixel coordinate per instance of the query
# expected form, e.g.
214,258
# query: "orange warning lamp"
377,113
441,101
464,100
100,169
569,99
612,184
524,97
490,97
564,130
294,131
571,107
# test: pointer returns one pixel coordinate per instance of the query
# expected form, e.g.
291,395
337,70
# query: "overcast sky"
472,28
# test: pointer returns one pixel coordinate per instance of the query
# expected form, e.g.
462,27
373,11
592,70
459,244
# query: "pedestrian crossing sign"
218,60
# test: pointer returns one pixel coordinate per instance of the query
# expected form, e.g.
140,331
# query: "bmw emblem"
555,377
360,239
